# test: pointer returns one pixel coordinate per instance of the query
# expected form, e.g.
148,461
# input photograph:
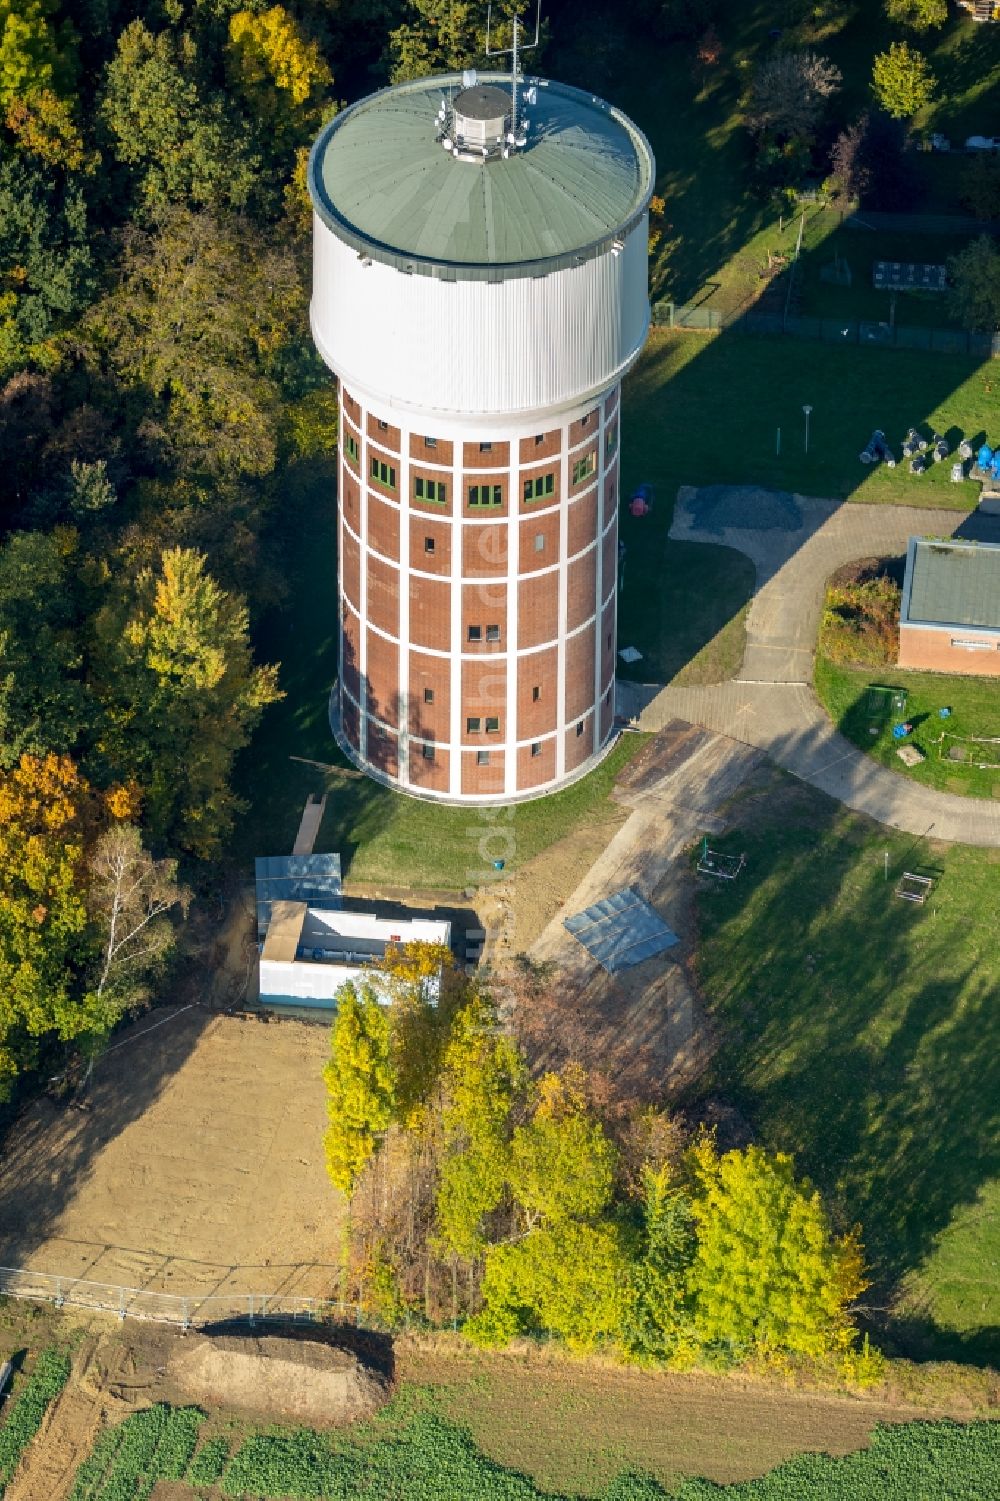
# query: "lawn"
975,710
861,1033
384,837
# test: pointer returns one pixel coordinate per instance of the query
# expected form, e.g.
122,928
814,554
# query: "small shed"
950,613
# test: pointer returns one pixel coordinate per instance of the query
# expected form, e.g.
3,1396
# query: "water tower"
480,289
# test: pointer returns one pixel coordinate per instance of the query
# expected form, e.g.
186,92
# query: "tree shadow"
859,1031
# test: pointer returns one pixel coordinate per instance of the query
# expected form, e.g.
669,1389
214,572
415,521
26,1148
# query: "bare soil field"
573,1425
196,1168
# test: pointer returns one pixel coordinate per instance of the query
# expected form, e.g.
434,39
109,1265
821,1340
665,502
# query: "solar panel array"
621,930
313,879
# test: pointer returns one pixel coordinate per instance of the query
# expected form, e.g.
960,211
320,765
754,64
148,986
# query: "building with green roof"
950,612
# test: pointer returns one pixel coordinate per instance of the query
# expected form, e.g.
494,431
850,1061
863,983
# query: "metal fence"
922,224
170,1308
981,346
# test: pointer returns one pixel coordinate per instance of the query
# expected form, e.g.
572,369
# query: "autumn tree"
130,895
768,1275
566,1268
281,72
173,668
902,81
975,285
175,133
206,319
43,126
482,1076
980,185
789,92
45,943
917,15
30,54
360,1084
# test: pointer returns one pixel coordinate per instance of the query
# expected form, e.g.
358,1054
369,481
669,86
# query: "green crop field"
975,710
860,1032
424,1457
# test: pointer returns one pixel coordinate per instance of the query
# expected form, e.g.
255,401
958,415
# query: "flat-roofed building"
950,615
309,954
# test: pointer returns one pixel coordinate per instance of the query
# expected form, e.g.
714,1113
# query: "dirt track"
198,1168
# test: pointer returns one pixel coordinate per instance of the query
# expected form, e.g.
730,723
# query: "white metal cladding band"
588,324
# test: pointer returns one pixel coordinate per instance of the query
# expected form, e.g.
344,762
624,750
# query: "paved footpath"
771,704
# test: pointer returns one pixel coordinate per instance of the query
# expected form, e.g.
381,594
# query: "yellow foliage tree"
768,1277
283,72
44,941
360,1085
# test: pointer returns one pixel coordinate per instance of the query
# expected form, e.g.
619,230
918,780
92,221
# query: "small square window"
539,542
493,633
473,725
383,427
475,633
428,752
482,758
429,544
428,695
351,444
430,442
485,447
536,694
492,725
579,729
536,748
585,420
539,439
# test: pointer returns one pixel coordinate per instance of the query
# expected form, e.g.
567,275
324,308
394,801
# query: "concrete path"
771,704
312,817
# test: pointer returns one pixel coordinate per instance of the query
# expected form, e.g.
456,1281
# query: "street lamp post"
807,410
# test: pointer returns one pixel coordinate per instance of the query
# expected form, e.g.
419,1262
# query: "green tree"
281,72
360,1085
44,928
44,705
46,258
768,1276
441,36
659,1323
483,1074
170,127
173,668
42,124
917,15
980,185
975,288
29,55
87,490
562,1163
571,1281
207,321
902,81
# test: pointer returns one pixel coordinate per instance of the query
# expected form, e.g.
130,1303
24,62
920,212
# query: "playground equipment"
715,863
914,888
642,501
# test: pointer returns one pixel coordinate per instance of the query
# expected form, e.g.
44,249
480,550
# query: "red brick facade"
955,649
478,584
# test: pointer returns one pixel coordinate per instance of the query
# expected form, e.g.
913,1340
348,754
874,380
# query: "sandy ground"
642,1030
197,1169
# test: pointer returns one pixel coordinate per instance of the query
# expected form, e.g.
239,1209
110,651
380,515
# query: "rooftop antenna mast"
515,50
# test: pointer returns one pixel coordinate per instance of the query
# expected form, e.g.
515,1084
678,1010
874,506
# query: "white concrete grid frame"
491,689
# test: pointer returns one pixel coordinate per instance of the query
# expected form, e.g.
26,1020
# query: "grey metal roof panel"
621,930
382,182
955,583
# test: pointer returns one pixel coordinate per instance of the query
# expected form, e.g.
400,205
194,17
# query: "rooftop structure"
381,181
950,613
309,954
311,879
